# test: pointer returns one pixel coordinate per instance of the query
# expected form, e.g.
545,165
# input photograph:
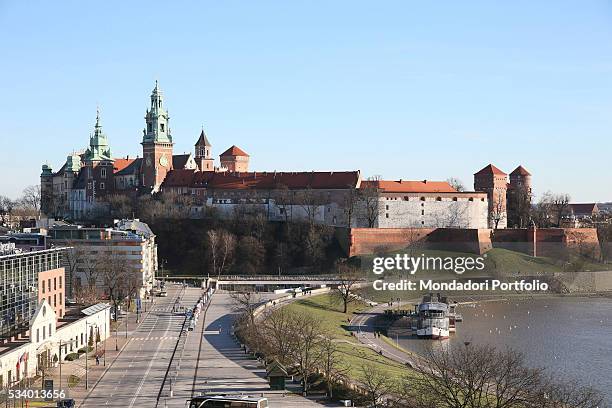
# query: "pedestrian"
97,360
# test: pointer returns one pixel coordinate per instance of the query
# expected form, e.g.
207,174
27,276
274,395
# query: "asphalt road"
135,377
208,360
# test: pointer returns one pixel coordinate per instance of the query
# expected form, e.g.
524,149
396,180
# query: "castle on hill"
79,190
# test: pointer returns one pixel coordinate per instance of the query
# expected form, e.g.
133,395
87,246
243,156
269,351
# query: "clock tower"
156,142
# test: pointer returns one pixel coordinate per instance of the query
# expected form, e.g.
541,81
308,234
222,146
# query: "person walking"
97,360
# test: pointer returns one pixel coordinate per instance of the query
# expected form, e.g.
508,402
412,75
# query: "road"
208,359
134,378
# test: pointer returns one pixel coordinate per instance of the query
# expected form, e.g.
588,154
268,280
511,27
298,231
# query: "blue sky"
402,89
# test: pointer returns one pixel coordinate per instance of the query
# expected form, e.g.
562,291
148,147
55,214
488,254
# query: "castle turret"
203,153
494,182
519,198
46,190
235,159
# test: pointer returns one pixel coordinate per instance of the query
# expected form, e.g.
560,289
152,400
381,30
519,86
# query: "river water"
572,337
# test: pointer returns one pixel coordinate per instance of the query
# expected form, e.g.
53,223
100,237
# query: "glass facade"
19,287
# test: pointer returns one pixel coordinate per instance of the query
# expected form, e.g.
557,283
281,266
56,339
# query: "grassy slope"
354,355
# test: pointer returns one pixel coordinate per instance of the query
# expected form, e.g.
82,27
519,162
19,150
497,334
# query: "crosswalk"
157,338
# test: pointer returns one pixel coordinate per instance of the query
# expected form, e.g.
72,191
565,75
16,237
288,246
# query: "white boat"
433,319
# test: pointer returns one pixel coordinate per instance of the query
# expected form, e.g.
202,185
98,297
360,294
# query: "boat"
433,318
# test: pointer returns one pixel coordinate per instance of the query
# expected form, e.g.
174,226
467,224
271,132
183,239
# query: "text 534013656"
36,394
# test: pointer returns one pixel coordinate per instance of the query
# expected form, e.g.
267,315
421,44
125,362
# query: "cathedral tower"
203,153
156,142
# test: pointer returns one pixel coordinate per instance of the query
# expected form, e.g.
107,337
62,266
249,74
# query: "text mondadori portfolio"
467,285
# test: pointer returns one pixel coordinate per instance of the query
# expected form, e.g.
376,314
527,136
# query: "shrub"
72,356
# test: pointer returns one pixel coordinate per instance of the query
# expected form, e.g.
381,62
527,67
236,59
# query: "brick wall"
550,242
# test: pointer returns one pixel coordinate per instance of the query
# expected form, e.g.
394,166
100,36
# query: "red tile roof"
521,171
491,169
408,186
120,164
261,180
234,151
584,209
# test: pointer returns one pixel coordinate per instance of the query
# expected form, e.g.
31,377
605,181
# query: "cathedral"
79,187
82,187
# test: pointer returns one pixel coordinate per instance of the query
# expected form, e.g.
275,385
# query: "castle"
80,188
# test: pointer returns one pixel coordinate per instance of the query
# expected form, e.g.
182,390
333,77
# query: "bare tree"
456,184
378,385
245,303
115,278
279,326
350,204
480,377
498,210
306,351
348,282
310,202
368,197
332,365
30,198
6,210
72,258
221,245
552,209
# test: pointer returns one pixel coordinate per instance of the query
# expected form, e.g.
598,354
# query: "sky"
402,89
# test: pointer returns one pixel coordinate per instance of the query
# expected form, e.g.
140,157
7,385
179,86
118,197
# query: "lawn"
354,354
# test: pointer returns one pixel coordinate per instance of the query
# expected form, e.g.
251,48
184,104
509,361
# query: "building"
78,190
509,202
27,278
49,339
82,186
98,257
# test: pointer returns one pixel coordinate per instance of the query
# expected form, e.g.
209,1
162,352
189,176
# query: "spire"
203,140
98,143
157,118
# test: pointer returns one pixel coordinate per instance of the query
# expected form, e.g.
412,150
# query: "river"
570,336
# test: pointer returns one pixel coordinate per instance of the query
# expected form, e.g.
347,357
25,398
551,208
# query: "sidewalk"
73,372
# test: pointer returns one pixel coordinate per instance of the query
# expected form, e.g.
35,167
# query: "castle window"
454,198
387,207
103,173
471,198
438,198
406,198
101,186
149,127
422,212
386,215
422,222
482,199
422,198
161,125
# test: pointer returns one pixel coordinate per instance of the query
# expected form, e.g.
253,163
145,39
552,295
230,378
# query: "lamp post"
86,350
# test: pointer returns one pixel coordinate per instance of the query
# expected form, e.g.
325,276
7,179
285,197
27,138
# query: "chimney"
425,181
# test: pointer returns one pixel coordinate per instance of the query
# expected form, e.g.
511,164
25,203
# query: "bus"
227,401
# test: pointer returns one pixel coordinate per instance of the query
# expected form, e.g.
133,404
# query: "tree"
6,210
498,210
350,204
377,384
90,340
369,194
250,253
331,362
306,351
348,281
279,326
481,377
456,184
221,246
72,259
115,277
552,209
245,303
30,199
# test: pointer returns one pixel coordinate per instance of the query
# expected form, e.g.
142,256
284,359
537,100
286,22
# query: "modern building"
100,256
21,287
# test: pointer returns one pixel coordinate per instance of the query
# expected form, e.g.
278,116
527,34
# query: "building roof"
180,160
490,169
261,180
120,164
234,151
203,140
132,168
92,310
136,226
408,186
521,171
584,209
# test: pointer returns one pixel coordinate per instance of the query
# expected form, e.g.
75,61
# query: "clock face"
163,161
148,160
